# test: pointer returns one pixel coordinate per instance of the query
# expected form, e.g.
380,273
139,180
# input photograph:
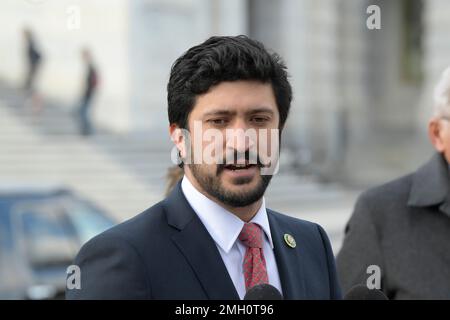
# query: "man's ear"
435,134
176,135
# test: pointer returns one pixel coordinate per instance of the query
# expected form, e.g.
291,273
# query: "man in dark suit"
403,227
212,237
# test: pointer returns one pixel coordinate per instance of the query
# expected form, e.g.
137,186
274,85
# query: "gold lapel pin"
290,241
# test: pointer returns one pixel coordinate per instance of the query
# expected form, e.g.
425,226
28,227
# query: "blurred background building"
361,97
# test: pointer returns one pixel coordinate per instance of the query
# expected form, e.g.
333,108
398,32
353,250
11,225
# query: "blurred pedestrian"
34,59
90,88
400,232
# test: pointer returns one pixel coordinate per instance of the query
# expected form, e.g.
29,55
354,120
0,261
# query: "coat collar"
430,185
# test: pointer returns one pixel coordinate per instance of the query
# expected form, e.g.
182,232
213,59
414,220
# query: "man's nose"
241,138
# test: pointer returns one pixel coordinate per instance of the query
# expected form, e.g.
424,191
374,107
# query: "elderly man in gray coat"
400,231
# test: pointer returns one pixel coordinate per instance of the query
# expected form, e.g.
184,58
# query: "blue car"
41,231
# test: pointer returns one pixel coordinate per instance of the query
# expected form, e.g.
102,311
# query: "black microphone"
361,292
263,291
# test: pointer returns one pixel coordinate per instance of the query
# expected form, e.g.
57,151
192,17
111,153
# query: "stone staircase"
46,149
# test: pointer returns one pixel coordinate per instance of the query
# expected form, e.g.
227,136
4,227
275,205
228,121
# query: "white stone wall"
322,45
311,49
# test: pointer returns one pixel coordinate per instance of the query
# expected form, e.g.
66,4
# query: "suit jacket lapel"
289,260
198,247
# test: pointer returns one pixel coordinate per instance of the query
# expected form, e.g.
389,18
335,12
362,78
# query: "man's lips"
239,166
242,170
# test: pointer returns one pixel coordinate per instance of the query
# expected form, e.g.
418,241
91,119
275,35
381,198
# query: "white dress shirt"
225,227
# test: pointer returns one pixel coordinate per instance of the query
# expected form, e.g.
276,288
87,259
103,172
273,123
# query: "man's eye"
260,120
218,122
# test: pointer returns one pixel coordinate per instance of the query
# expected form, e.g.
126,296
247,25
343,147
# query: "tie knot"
251,235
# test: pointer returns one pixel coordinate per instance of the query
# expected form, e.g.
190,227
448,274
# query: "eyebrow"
227,112
262,110
219,113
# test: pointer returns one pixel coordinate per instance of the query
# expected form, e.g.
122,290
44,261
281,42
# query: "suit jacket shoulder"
113,265
390,192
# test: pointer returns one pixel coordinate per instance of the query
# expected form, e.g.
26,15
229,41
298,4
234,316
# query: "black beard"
211,184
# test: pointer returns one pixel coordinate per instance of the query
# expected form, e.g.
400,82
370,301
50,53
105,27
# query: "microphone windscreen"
263,292
361,292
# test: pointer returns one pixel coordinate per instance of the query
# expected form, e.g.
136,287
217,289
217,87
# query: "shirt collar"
223,226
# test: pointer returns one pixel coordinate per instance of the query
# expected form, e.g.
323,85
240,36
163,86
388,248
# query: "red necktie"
255,271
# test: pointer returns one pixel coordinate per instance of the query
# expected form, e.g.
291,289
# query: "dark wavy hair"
221,59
